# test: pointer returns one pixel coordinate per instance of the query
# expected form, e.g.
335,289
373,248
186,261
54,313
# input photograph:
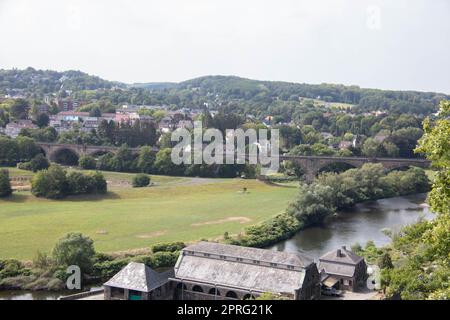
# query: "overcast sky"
401,44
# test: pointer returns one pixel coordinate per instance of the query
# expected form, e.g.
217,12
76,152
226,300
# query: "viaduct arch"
312,164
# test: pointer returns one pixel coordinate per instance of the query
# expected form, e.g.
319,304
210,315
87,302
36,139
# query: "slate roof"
346,256
219,264
339,262
250,253
139,277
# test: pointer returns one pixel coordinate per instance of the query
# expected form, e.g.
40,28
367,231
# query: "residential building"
12,129
166,124
343,269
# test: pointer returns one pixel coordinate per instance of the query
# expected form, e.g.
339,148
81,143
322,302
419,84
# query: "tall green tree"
146,159
75,249
5,185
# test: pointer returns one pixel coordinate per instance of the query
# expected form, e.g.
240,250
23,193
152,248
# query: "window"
206,254
231,294
197,288
214,291
223,257
239,259
273,264
256,261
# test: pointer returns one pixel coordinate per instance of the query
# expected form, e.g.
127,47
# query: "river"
366,221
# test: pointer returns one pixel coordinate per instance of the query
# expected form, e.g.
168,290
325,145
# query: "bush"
269,232
55,183
39,162
75,249
80,183
51,183
87,162
168,247
163,259
100,183
5,184
11,268
141,180
25,166
107,269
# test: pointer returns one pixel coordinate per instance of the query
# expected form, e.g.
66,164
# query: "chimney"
338,253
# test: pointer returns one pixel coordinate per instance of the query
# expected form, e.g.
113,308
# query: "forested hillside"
40,82
259,98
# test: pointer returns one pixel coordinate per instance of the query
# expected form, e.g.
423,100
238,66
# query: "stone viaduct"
51,150
310,165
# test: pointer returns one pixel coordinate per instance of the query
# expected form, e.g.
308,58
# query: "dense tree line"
21,149
330,192
147,161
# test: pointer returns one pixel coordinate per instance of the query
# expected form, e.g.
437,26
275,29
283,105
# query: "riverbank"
367,221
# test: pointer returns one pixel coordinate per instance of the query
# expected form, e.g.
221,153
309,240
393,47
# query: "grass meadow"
172,209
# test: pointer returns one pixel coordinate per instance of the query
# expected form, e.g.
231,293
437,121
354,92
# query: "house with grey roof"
208,270
138,282
342,269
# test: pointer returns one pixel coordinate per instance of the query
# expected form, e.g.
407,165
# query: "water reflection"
363,223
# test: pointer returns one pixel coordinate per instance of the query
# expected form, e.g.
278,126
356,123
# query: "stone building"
138,282
208,270
342,269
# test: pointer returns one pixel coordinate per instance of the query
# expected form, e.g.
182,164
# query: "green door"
134,295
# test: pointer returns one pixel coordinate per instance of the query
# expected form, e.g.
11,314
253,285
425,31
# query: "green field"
173,209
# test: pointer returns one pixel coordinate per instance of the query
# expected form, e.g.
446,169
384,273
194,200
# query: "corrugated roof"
139,277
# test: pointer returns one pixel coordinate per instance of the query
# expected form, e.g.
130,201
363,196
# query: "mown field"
173,209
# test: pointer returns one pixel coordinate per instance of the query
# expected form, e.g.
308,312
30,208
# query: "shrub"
51,183
100,183
11,268
80,183
5,184
169,247
55,183
39,162
25,166
163,259
141,180
87,162
107,269
75,249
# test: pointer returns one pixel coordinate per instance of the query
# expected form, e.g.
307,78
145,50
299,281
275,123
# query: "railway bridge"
310,165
